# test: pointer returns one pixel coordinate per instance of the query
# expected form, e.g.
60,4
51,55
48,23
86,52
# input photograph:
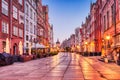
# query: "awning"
39,46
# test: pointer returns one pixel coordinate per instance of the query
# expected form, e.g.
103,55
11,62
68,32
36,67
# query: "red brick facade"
4,18
40,22
15,39
47,25
19,23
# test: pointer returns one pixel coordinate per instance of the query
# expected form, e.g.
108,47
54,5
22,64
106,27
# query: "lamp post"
86,43
108,38
86,48
35,41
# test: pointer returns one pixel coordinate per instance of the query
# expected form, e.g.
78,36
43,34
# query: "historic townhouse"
83,47
47,26
23,24
92,28
98,26
17,26
30,32
87,41
40,22
12,26
86,32
72,42
4,25
110,24
77,38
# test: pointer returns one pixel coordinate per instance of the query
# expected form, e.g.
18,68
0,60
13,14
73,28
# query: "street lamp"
35,41
86,43
78,48
108,38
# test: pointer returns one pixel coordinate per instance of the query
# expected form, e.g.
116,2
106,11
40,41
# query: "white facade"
30,24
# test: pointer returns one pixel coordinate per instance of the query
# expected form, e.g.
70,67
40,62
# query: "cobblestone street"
64,66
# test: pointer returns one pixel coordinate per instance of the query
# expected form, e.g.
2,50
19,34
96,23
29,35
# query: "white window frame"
15,12
20,32
4,7
15,30
34,16
5,28
31,12
31,27
20,1
27,9
27,25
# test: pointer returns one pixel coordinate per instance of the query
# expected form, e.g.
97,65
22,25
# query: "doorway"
15,49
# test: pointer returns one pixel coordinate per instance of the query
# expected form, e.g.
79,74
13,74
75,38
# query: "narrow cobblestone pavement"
64,66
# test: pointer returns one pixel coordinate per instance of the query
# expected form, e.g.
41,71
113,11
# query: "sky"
66,15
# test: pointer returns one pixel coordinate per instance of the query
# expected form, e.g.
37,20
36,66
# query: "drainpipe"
10,26
115,23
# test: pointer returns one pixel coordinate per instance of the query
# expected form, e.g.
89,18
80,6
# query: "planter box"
24,58
34,56
118,62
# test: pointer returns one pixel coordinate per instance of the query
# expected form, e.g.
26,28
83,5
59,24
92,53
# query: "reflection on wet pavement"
64,66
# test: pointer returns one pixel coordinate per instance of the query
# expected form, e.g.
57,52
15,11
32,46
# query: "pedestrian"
109,54
115,55
103,52
118,54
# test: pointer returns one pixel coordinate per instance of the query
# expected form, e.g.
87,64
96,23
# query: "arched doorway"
15,49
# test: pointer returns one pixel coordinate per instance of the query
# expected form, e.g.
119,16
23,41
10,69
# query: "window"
107,19
27,38
34,17
15,30
31,27
14,12
30,1
27,44
30,37
20,1
34,29
27,25
27,10
20,32
41,32
31,13
4,7
34,4
119,3
118,38
5,27
104,23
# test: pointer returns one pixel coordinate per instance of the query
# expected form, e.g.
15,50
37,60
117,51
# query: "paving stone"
64,66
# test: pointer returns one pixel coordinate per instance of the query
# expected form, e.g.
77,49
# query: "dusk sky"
66,15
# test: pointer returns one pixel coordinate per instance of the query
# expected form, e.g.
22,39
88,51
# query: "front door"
15,49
